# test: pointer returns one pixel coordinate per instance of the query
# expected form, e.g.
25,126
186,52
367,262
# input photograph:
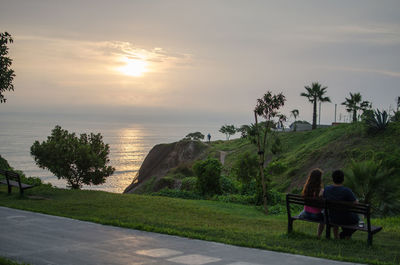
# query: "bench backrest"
359,208
10,175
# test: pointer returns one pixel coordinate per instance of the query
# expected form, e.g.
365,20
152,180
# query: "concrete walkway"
44,239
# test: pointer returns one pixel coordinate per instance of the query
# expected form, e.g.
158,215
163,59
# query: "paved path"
44,239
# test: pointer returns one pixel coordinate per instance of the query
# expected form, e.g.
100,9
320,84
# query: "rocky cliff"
164,157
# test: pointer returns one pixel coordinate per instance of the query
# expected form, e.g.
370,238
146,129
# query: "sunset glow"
133,67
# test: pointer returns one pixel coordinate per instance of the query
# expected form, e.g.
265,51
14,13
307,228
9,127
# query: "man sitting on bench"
337,192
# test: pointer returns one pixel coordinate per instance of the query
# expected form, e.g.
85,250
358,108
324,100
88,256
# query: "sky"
205,60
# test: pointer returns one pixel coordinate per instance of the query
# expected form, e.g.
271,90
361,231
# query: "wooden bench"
13,180
329,205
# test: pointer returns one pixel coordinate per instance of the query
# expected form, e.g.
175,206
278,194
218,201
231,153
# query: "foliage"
396,116
189,184
228,130
165,182
6,73
375,185
245,167
208,173
267,107
355,103
4,164
314,94
195,136
228,186
80,160
183,169
377,122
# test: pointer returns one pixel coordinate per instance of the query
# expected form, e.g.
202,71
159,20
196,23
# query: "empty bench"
329,205
13,180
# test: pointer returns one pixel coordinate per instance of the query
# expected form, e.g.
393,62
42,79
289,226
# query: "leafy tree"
315,93
295,114
196,136
228,130
355,103
79,160
374,184
267,107
6,73
208,173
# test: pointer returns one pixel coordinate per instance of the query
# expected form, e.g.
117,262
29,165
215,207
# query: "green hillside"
328,148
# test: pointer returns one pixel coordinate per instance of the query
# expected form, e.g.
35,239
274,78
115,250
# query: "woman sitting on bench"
313,189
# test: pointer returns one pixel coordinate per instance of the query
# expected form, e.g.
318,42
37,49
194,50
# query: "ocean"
129,142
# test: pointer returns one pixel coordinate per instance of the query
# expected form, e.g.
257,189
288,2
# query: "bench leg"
328,231
369,241
290,225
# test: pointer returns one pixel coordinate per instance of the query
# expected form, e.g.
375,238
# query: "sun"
133,67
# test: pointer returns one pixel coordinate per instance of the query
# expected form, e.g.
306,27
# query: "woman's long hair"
313,184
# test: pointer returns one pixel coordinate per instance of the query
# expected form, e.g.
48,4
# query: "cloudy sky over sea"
204,59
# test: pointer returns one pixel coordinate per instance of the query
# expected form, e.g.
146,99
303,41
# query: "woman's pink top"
310,209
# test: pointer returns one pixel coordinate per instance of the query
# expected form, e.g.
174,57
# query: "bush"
165,182
245,168
208,173
184,170
377,122
276,167
175,193
372,183
189,184
228,185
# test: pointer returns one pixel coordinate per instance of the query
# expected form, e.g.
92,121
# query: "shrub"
183,169
228,186
208,173
245,167
165,182
276,167
373,184
189,184
377,122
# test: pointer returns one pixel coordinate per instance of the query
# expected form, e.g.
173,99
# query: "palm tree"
295,114
314,94
354,104
281,119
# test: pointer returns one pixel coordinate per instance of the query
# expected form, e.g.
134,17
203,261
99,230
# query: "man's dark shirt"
340,193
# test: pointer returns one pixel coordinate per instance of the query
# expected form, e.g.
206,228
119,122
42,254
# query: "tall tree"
315,93
267,107
6,73
295,114
354,104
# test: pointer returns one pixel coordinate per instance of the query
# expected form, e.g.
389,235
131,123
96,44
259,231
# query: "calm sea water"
129,142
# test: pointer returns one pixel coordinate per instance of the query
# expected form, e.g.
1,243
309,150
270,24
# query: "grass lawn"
209,220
